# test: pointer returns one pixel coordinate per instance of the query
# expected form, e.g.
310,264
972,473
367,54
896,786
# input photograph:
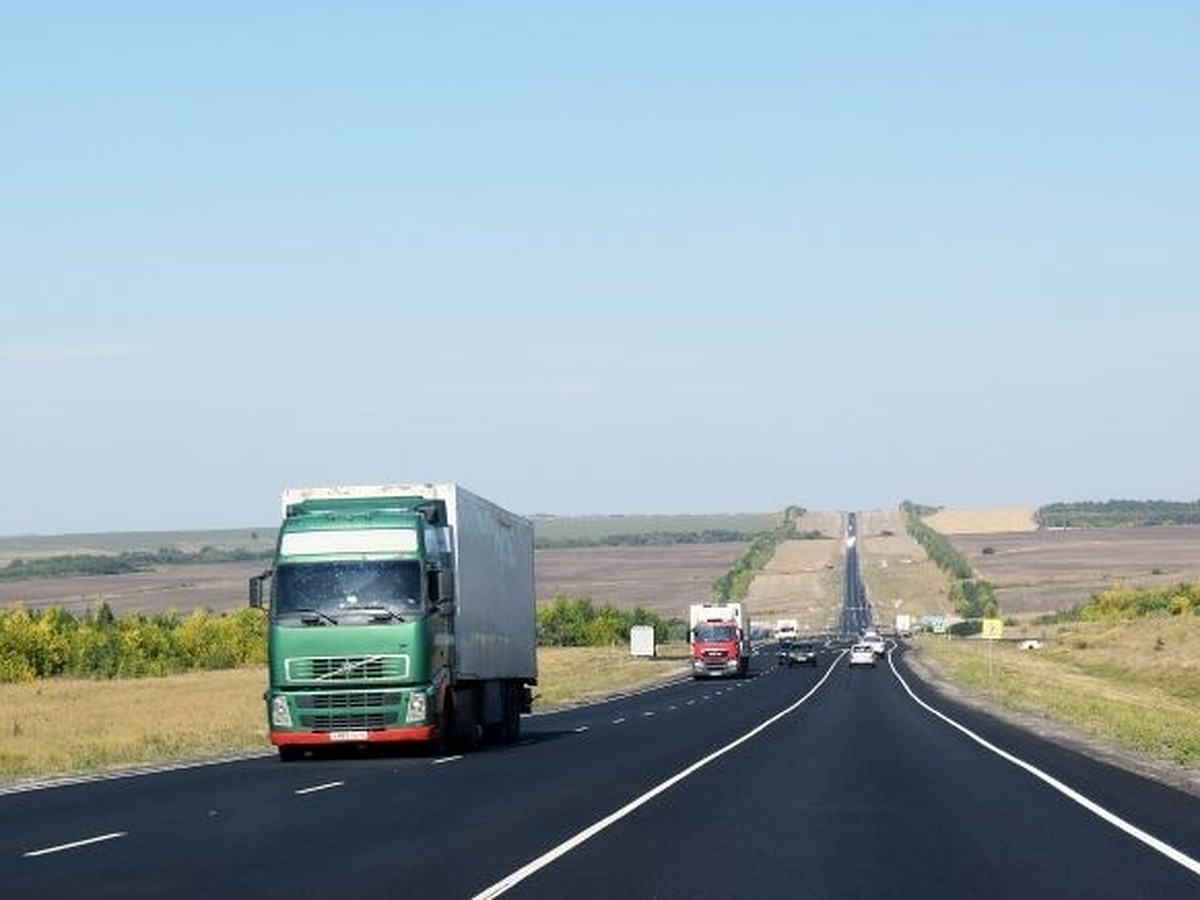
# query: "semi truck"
397,613
720,639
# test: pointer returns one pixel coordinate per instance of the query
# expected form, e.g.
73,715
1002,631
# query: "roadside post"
993,630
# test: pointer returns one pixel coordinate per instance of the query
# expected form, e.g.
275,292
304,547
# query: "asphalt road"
794,782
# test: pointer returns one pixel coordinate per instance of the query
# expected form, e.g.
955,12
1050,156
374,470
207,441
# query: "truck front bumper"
352,736
724,670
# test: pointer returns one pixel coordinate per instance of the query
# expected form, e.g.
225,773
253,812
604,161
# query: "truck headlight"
281,714
416,707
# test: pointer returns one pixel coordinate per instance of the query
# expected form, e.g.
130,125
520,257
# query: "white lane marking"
1176,856
320,787
446,759
581,729
111,836
132,772
515,878
648,712
618,721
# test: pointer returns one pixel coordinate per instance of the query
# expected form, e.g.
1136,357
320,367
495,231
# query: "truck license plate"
347,735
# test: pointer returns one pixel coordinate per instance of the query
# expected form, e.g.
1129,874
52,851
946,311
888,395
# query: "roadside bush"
1122,602
52,642
566,621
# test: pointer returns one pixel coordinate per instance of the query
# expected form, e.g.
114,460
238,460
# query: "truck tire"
446,743
290,752
511,727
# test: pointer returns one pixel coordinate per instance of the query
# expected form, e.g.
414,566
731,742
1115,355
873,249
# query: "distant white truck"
903,625
786,629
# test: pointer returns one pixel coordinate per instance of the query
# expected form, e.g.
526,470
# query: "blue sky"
595,257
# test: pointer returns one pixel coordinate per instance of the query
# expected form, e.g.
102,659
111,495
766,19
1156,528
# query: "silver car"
862,655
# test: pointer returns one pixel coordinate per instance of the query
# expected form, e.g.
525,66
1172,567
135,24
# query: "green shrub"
52,642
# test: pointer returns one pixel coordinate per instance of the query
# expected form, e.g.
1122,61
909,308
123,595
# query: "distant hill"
548,531
253,540
567,531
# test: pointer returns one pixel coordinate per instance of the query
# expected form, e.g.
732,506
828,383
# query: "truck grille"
347,710
347,668
348,720
348,701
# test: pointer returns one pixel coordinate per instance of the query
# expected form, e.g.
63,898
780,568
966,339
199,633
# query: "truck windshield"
360,587
715,633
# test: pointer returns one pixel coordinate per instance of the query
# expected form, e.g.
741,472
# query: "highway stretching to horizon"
829,782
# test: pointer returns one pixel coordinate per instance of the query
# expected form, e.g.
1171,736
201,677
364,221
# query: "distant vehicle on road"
862,655
875,641
799,653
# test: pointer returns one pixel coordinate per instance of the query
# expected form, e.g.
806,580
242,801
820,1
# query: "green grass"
1135,685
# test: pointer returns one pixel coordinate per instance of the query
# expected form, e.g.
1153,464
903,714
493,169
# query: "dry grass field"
983,521
802,581
898,576
663,579
1050,570
217,586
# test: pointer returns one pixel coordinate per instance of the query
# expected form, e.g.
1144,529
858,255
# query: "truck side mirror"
256,589
440,586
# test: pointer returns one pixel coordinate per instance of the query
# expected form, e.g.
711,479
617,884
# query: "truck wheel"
512,714
506,730
446,743
290,752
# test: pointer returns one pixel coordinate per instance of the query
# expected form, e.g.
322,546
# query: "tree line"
126,563
1116,513
971,597
646,539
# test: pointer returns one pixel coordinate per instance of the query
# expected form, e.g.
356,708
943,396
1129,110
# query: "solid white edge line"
1176,856
45,851
515,878
320,787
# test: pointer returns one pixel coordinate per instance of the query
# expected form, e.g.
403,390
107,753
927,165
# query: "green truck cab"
397,613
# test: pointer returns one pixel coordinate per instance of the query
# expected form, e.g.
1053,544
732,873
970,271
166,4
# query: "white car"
875,641
862,655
